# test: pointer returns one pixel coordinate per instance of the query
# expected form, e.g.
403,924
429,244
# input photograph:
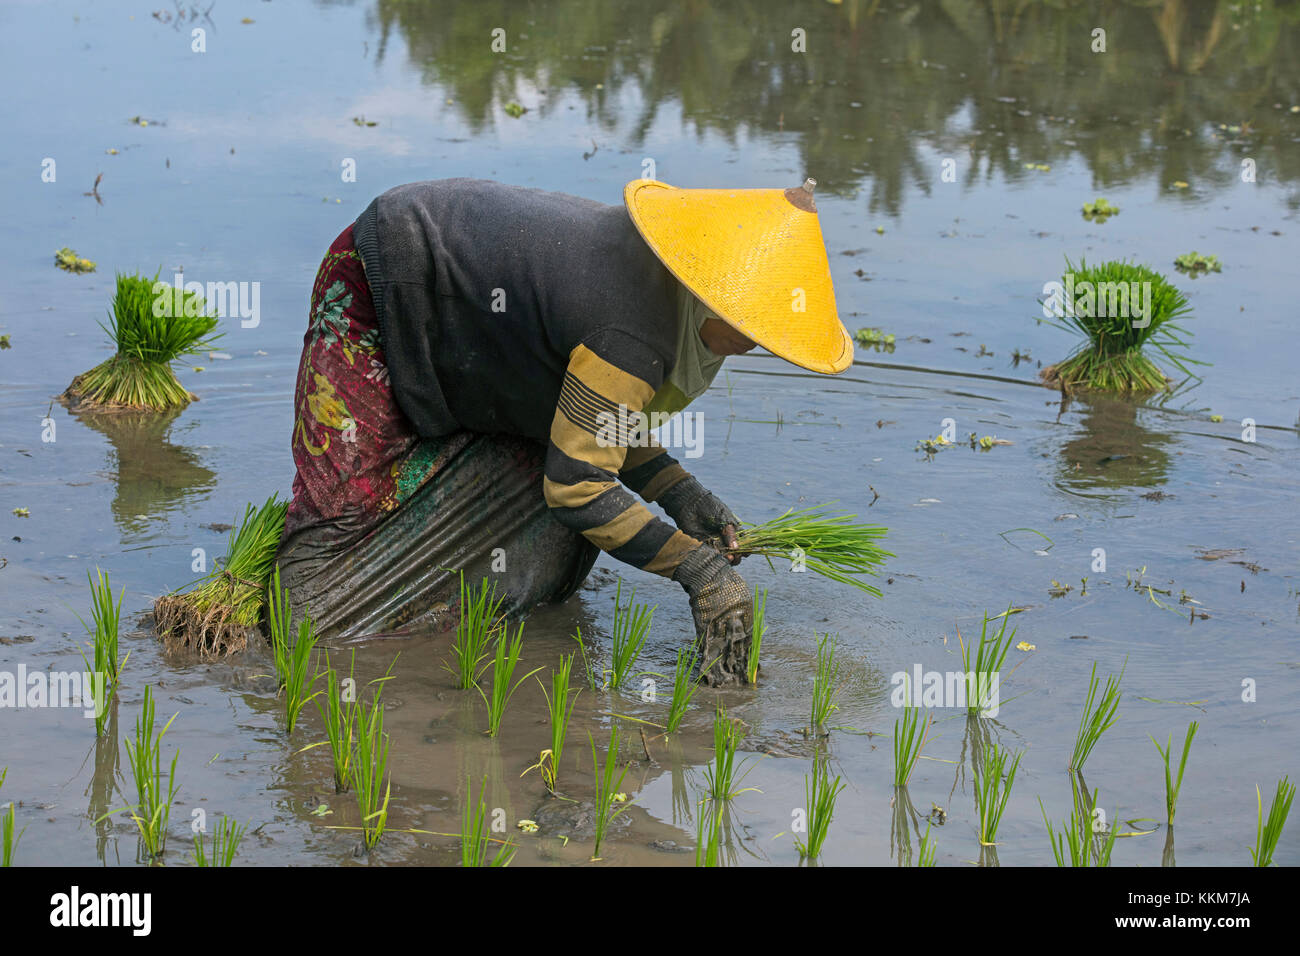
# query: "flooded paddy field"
1159,537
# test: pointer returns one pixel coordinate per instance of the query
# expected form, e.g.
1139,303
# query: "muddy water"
237,178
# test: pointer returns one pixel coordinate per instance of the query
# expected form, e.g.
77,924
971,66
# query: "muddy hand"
702,515
724,649
723,609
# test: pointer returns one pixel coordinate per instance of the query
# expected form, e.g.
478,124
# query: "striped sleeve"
593,442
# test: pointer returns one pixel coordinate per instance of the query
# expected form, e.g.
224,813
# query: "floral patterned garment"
357,455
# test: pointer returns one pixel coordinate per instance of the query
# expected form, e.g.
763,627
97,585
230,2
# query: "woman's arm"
605,383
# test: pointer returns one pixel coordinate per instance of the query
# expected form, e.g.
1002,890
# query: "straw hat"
756,258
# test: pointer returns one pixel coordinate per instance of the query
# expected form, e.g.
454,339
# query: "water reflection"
1112,449
883,91
154,476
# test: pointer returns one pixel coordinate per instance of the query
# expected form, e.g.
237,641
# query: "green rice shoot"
291,656
989,656
826,685
1268,832
225,842
106,617
993,789
910,733
559,705
150,332
708,834
474,839
631,628
587,669
813,539
480,618
217,615
926,849
684,687
760,628
8,842
1076,841
369,770
152,811
1098,716
820,793
339,714
1173,784
607,786
503,669
1113,354
720,775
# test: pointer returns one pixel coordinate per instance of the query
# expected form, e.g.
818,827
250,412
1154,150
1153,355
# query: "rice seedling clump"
1122,311
151,330
217,616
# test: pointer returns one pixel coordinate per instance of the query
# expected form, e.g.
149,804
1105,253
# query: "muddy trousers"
482,512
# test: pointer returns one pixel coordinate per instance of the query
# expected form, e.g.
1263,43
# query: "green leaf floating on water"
1099,210
514,110
69,261
1193,263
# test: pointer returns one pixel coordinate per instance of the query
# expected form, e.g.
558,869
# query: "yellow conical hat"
756,258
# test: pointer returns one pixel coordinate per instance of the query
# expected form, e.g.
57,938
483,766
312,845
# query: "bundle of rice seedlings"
216,616
1117,329
815,540
150,330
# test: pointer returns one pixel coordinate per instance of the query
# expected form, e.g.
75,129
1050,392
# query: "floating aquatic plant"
1099,210
1120,309
503,669
151,330
759,629
291,656
607,787
1097,717
815,540
876,339
1194,264
152,811
69,261
993,789
631,628
474,839
820,793
1174,784
224,844
1268,832
217,615
480,618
